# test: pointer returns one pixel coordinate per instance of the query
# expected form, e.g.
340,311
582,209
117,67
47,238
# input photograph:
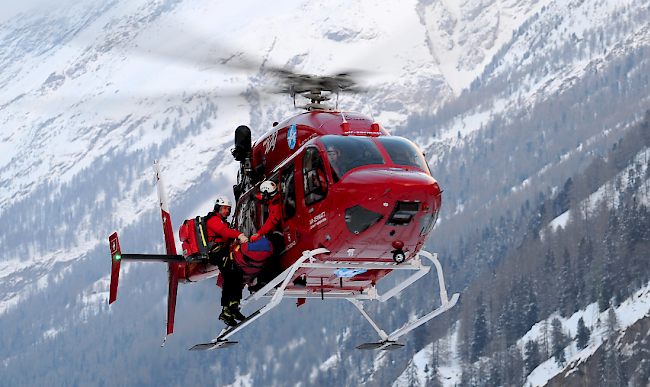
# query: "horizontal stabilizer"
154,258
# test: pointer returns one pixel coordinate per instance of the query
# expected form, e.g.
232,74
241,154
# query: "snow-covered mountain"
90,78
507,98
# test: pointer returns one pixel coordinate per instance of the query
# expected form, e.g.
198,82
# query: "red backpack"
193,234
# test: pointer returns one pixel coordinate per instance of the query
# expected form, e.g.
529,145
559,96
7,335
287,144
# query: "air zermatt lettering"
269,143
317,220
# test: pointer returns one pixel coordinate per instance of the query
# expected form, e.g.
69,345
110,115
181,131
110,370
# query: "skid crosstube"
276,289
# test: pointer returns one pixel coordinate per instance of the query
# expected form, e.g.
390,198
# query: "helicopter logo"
292,136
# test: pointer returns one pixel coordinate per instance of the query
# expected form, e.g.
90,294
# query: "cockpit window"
346,153
403,152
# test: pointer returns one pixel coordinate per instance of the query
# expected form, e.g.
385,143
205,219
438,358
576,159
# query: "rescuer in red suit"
219,233
269,195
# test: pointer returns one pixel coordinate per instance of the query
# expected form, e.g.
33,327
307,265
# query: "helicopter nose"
375,184
392,196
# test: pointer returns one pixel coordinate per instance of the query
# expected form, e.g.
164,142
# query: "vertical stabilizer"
170,245
116,258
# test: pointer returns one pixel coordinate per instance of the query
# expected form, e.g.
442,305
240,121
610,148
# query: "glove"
255,238
242,238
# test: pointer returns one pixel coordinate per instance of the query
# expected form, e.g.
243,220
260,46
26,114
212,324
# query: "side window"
313,174
288,192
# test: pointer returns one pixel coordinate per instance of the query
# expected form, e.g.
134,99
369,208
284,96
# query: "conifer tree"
412,379
582,335
611,372
567,288
559,341
606,283
480,337
530,307
533,356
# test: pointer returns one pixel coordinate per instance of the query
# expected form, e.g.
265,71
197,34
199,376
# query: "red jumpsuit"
273,266
219,232
274,217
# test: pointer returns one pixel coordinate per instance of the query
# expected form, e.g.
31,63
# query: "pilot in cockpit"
334,157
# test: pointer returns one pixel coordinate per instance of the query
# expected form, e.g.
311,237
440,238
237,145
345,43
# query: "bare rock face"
625,361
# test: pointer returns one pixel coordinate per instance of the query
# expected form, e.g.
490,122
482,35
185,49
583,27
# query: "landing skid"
382,345
222,340
276,289
387,342
213,345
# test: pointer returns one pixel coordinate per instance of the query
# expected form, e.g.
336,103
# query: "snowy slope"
628,313
539,34
127,63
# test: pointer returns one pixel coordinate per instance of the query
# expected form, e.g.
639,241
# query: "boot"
227,317
233,308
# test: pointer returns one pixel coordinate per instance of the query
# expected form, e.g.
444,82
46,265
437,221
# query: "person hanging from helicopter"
220,235
218,232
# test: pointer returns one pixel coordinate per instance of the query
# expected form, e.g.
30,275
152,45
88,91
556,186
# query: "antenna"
375,124
345,125
371,116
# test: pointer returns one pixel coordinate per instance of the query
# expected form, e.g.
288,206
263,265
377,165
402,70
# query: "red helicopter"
356,203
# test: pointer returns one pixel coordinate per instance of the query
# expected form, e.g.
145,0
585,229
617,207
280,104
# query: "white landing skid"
308,261
387,342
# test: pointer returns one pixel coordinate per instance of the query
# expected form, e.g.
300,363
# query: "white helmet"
268,189
222,201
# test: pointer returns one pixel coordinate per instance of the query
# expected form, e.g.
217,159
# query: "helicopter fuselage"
348,186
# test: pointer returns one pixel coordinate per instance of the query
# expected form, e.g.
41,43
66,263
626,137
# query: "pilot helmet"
332,149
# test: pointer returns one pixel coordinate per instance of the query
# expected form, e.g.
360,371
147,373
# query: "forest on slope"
598,256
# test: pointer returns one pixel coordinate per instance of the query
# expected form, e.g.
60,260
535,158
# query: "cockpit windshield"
403,152
346,153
